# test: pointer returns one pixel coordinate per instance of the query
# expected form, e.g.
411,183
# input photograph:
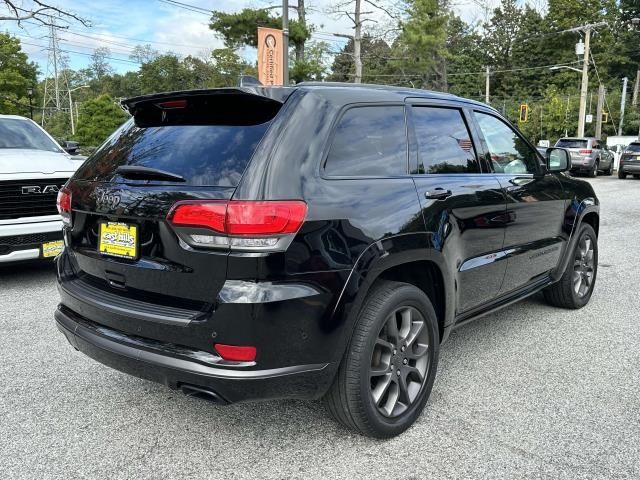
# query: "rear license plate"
52,249
118,240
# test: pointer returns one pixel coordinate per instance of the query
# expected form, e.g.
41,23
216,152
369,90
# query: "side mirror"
70,147
558,160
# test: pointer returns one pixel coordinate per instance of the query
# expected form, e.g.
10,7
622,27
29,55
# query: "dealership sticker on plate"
52,249
118,239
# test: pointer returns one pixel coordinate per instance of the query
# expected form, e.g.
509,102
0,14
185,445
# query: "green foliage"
98,118
421,45
17,75
314,66
239,29
375,61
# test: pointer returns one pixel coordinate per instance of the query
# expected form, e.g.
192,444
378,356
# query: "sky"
122,24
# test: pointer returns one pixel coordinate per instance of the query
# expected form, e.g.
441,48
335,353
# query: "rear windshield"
202,154
571,143
16,133
633,147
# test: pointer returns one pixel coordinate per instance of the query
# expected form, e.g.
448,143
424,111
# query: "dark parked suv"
314,241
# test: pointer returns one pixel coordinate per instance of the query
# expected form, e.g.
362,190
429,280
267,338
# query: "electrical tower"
56,84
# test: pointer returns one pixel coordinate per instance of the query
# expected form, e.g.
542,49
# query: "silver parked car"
588,155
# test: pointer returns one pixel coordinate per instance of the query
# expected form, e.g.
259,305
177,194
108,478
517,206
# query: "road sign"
589,119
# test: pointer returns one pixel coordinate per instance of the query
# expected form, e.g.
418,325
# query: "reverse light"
63,202
241,224
236,353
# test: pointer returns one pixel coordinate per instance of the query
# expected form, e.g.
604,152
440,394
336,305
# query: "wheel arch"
404,258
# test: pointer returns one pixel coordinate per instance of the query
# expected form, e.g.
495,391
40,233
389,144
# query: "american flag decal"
465,144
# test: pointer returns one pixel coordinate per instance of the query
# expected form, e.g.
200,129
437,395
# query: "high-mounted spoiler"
247,105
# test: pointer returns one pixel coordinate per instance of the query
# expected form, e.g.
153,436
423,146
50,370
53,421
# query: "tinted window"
16,133
509,152
571,143
369,141
634,147
202,154
444,143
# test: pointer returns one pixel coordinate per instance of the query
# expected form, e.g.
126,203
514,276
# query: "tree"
227,67
314,66
163,74
39,11
241,29
144,53
17,76
375,55
464,58
98,118
421,46
99,63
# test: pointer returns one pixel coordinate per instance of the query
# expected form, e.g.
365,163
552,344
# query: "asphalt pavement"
529,392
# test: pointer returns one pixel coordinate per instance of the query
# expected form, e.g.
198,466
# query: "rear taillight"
64,205
585,151
240,224
236,353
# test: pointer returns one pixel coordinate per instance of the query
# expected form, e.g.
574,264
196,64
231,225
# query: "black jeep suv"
312,241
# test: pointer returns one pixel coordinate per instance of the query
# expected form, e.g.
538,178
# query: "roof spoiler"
219,106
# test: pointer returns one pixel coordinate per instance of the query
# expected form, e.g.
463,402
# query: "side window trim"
334,127
414,154
514,129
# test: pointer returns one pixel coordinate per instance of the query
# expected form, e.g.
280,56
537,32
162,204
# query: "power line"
187,6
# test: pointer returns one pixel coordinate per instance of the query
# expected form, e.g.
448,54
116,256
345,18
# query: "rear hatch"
631,154
578,147
123,254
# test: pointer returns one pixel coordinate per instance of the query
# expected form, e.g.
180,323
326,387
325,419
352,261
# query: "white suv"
33,167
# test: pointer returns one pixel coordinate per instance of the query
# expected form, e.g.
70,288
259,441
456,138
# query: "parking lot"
530,391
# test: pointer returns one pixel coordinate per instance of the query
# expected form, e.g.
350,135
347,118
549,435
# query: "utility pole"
487,84
285,41
585,72
623,102
357,41
599,111
636,89
585,83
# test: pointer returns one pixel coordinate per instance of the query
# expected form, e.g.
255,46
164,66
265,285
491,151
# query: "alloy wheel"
583,266
400,361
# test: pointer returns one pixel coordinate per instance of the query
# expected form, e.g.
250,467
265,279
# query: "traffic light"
524,113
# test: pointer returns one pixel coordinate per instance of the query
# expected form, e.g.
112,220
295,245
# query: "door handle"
437,194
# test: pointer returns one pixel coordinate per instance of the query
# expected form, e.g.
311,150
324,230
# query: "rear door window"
444,141
369,141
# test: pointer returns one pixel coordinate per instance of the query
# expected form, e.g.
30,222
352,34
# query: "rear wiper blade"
147,173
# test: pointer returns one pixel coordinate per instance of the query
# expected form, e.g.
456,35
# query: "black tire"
594,171
621,174
636,176
609,171
565,293
351,397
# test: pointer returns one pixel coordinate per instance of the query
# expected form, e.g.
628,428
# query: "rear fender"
375,260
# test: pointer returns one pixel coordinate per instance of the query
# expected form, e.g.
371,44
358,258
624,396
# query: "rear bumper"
633,168
177,368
